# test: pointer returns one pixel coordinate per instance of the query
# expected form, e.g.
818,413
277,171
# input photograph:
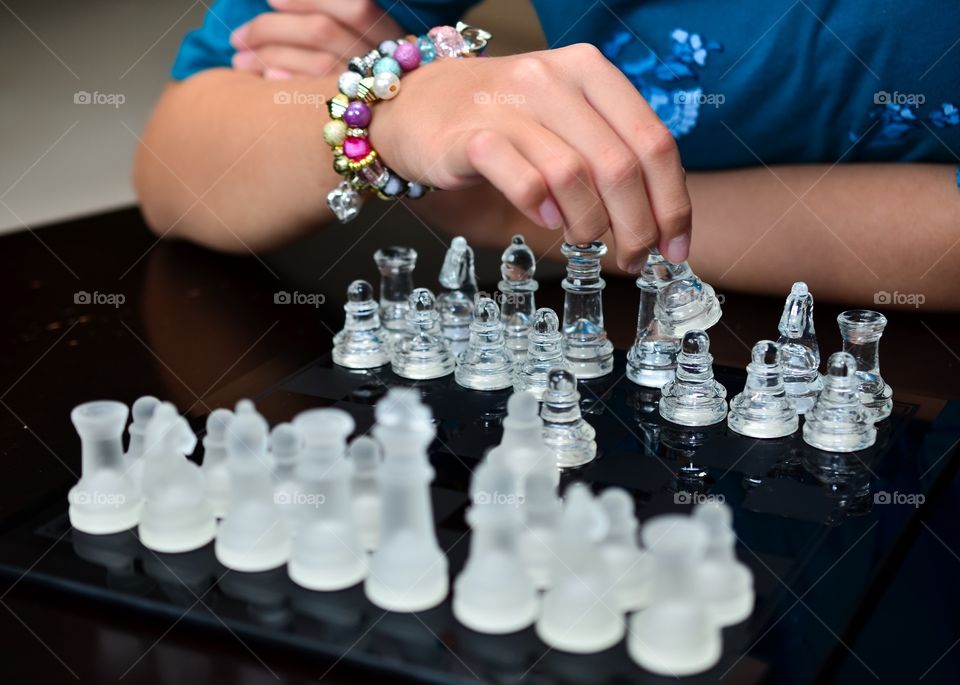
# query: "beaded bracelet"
372,77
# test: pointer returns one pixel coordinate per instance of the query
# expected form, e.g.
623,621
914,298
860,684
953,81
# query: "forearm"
227,164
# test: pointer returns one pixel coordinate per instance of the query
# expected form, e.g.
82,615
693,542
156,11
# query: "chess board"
810,526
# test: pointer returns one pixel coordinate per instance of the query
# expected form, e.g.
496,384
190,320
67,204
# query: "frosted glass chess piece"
684,302
455,304
694,397
652,359
365,457
544,352
838,421
576,615
141,412
518,290
541,518
362,344
216,474
676,635
631,568
585,345
522,448
254,534
565,431
408,571
861,330
486,363
177,516
396,265
286,446
763,410
422,353
326,553
799,351
493,594
105,499
724,584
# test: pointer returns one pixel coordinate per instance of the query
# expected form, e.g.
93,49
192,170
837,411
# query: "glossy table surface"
99,308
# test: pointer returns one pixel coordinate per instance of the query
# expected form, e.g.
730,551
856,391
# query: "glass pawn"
684,302
422,353
799,352
861,330
396,265
544,352
362,343
517,294
565,431
694,397
652,360
763,409
459,279
486,363
839,422
585,345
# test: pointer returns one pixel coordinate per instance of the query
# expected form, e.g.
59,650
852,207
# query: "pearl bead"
408,56
356,148
334,131
387,47
428,52
357,115
387,64
386,85
348,82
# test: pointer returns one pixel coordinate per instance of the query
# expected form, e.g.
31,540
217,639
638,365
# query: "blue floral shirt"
759,82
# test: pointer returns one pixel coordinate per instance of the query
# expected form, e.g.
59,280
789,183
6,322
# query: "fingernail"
244,59
550,214
636,267
679,248
239,36
277,74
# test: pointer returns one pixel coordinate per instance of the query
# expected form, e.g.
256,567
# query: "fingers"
364,18
315,32
278,61
628,114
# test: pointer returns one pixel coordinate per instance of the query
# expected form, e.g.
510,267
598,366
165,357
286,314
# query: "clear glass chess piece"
694,397
518,290
799,351
459,279
839,422
861,330
652,360
422,353
486,363
565,431
362,344
585,345
763,409
396,265
684,302
544,352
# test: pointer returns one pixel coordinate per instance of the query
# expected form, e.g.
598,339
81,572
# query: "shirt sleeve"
209,46
419,16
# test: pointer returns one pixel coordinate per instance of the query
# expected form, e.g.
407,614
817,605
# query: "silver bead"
344,202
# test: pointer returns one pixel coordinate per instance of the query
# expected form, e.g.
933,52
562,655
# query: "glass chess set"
508,505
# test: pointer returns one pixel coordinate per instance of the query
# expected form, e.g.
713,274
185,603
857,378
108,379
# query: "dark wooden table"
99,308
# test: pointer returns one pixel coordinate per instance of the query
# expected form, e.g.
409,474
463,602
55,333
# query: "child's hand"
310,38
561,133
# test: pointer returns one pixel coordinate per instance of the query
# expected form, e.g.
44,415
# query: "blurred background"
81,78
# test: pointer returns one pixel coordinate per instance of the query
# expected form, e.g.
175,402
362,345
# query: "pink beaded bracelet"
372,77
